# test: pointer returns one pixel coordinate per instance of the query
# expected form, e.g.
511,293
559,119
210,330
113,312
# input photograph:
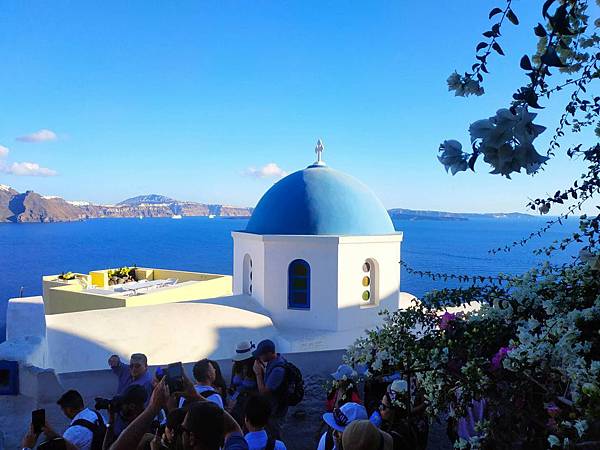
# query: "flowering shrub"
531,350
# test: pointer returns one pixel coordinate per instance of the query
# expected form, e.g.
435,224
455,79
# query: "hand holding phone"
175,377
38,420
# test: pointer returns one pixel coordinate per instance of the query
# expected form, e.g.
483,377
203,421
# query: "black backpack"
270,444
292,390
98,430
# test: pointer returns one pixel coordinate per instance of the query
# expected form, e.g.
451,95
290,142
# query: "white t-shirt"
79,435
321,445
257,440
215,398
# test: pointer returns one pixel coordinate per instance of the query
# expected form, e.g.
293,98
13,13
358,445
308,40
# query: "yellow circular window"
366,281
366,296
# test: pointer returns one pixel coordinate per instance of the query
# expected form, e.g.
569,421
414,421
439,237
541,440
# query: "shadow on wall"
42,387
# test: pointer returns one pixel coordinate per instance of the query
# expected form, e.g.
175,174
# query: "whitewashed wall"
251,244
321,254
336,276
352,254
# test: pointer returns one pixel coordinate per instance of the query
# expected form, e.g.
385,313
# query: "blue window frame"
299,285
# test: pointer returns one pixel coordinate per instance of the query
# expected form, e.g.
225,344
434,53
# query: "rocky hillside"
32,207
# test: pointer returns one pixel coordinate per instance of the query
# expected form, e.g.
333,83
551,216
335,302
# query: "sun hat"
265,346
243,351
363,435
341,417
344,372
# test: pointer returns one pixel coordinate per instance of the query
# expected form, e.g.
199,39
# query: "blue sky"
191,99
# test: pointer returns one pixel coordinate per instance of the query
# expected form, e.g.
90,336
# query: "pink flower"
446,319
552,410
498,357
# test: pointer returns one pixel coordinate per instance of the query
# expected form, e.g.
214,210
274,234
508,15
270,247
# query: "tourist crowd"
164,410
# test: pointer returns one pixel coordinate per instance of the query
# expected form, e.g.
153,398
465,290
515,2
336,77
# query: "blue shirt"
275,373
121,370
257,440
235,441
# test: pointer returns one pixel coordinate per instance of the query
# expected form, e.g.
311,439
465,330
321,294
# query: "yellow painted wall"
71,298
217,287
99,278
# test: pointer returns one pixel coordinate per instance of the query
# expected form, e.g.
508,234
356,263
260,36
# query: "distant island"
31,207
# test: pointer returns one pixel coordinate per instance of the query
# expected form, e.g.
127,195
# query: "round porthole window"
366,296
366,281
366,267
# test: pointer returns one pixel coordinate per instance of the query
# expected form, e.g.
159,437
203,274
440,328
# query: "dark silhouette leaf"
525,63
495,11
550,58
540,31
512,17
481,45
496,29
546,6
497,47
488,34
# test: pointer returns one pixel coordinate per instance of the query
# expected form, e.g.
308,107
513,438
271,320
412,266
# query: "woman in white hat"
343,389
243,380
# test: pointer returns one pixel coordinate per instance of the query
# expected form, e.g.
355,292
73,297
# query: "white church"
318,260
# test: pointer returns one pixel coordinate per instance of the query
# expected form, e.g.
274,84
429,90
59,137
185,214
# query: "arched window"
299,285
370,282
247,275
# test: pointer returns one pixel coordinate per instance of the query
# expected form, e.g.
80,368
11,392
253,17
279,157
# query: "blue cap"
266,346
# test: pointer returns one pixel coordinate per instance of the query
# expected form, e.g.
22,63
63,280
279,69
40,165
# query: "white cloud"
270,170
39,136
3,151
26,169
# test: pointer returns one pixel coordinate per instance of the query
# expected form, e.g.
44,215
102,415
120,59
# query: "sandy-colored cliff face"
31,207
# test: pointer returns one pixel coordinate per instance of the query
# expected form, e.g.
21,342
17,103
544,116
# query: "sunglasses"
383,406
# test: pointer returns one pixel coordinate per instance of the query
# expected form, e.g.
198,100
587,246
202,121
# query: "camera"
112,405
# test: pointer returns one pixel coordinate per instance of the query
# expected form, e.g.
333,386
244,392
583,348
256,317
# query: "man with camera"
122,410
135,373
85,431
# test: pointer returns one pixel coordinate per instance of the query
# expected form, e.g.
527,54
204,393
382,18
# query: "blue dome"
320,201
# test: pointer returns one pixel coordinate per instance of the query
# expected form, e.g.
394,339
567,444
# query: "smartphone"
53,444
175,377
38,420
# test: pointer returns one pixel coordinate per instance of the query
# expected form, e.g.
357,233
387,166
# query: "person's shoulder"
235,441
215,398
89,414
280,445
321,445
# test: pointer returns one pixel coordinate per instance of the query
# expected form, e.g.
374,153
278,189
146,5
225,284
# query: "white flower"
553,441
454,82
452,156
581,427
399,386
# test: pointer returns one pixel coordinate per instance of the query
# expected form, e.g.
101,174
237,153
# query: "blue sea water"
28,251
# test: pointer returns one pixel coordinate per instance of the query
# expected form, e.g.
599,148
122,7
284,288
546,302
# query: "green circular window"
366,267
366,281
366,296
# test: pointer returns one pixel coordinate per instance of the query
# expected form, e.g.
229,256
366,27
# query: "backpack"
292,390
98,430
270,444
208,393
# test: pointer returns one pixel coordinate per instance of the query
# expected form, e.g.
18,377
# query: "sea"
28,251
